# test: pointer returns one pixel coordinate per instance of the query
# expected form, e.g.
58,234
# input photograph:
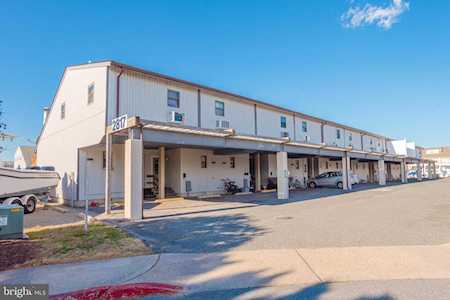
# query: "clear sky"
382,66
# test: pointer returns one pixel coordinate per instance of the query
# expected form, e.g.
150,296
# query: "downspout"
118,92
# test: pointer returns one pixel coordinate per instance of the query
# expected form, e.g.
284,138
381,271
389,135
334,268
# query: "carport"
138,135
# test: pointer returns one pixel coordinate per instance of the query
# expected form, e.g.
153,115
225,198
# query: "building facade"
186,139
441,156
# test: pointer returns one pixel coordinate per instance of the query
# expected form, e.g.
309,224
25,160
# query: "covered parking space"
168,142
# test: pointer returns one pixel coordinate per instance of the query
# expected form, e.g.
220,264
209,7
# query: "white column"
419,171
162,173
108,174
282,176
258,172
346,174
381,172
403,171
133,175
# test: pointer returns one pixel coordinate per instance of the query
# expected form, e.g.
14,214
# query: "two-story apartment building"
186,139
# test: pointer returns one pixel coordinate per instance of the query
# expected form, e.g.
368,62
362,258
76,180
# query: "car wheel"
30,205
340,185
312,185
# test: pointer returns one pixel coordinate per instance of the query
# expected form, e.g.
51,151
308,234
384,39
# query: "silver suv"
327,179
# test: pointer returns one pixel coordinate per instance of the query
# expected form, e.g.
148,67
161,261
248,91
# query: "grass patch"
71,244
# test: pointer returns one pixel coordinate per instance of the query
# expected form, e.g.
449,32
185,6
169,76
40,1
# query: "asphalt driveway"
410,214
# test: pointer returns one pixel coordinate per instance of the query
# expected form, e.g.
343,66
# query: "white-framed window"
219,108
283,122
304,126
203,161
338,134
90,93
173,98
350,137
63,110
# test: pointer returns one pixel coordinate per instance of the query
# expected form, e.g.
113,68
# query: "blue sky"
382,66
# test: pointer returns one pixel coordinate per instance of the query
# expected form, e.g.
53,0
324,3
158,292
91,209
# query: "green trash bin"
11,222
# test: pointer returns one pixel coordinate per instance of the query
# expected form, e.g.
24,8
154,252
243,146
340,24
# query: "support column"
108,174
346,175
434,170
282,176
162,173
419,171
257,172
133,175
403,171
381,172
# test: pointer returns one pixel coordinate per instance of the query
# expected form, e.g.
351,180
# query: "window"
304,126
91,89
297,164
337,165
338,134
220,108
63,110
232,162
204,162
104,161
350,137
371,142
283,122
173,98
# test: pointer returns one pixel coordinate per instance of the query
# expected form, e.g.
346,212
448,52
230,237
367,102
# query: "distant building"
441,156
6,163
24,157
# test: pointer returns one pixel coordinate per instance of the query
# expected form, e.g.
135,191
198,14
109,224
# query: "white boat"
17,183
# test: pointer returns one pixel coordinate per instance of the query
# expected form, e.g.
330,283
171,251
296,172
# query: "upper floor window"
173,98
283,122
63,110
350,137
91,89
371,142
338,134
220,108
304,126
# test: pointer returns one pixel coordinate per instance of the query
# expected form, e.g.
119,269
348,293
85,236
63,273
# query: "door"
155,164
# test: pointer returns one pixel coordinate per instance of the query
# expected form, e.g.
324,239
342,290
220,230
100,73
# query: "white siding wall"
218,167
352,139
147,98
313,131
269,123
84,125
373,144
240,115
330,136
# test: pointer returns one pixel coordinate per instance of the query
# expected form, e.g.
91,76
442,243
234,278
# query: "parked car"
327,179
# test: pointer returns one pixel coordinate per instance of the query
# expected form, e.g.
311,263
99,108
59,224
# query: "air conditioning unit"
307,138
284,134
223,124
176,117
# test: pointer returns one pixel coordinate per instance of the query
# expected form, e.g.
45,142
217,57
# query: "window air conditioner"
222,124
176,117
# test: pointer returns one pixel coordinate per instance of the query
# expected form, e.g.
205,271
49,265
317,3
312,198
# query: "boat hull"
20,182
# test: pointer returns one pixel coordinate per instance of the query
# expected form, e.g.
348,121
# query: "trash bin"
11,222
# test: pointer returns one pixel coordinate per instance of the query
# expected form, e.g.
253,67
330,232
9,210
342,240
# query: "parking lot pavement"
51,216
410,214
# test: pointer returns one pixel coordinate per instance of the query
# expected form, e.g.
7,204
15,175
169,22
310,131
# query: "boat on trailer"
25,187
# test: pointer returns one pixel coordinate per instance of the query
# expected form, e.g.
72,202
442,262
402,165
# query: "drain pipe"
118,92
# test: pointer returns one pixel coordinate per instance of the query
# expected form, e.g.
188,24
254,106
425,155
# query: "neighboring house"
193,137
24,157
441,155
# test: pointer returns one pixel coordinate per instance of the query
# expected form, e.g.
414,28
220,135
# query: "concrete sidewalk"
247,269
